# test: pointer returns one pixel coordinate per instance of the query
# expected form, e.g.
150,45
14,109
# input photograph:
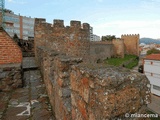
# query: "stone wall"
107,93
100,51
74,40
131,44
41,34
79,91
55,68
10,77
71,40
10,52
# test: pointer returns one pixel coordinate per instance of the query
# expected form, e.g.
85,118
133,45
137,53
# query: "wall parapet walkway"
79,91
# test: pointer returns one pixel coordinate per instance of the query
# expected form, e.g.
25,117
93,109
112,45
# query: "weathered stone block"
66,92
114,91
81,105
10,77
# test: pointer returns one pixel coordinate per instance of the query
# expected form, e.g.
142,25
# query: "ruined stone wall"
100,51
107,93
71,40
55,68
10,77
42,30
74,40
10,52
79,92
131,43
118,47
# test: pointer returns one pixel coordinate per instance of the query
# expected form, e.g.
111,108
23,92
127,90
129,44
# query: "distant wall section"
10,77
78,91
118,47
100,51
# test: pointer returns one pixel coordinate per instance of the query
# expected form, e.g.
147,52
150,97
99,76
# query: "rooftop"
153,57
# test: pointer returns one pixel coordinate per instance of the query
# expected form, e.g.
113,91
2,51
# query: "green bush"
153,51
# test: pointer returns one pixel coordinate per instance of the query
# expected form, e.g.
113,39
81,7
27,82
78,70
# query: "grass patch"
129,61
132,64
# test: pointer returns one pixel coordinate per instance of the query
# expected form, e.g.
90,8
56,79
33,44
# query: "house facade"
152,71
16,24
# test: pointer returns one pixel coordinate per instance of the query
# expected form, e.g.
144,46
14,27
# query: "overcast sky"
107,17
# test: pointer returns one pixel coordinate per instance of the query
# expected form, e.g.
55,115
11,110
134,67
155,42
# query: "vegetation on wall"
108,37
129,61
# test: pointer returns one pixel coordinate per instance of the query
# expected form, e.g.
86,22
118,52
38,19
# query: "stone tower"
131,44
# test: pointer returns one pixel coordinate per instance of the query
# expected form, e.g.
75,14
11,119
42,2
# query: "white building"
21,25
96,38
152,71
91,33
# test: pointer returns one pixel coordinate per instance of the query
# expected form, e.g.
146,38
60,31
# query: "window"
28,21
25,32
16,25
9,30
156,87
12,19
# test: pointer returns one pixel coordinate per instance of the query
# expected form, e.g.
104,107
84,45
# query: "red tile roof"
153,57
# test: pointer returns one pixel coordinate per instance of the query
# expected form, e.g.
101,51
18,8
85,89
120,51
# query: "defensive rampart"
100,51
79,91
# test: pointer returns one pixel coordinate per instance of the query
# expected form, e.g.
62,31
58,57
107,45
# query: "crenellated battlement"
72,40
86,26
40,20
75,24
41,24
46,25
130,35
58,23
